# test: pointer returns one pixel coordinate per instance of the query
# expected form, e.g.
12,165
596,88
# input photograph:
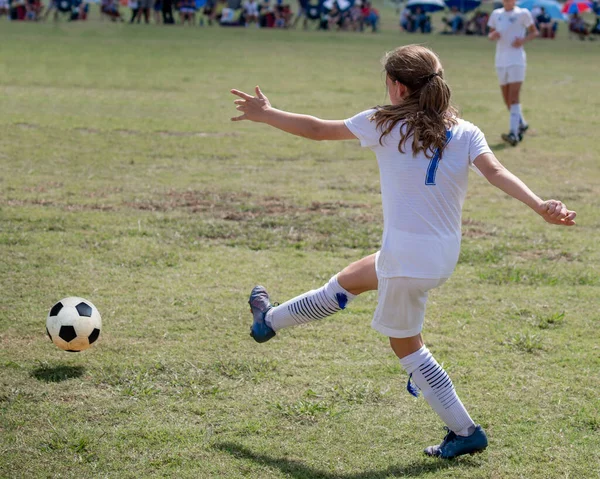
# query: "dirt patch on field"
62,206
476,229
236,206
549,255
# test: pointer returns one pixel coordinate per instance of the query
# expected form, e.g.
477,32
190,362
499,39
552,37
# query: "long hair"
426,111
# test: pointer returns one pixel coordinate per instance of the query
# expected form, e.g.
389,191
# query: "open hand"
253,108
556,213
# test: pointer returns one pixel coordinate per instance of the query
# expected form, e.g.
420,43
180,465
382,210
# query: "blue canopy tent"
426,5
551,7
463,5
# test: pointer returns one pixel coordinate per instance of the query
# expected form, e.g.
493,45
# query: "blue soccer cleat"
260,305
454,445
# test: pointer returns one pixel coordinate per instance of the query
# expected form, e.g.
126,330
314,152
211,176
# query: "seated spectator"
455,24
283,15
266,15
477,24
187,12
231,18
370,16
334,18
545,25
578,26
251,12
596,29
352,18
18,10
79,10
422,21
407,21
32,10
110,9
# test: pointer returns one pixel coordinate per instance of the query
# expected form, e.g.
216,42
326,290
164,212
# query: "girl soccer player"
511,27
424,152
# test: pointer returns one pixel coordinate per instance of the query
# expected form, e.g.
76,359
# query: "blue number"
435,161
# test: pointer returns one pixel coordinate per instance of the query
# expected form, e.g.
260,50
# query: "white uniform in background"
511,62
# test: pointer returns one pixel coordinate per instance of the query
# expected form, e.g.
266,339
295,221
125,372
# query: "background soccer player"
511,27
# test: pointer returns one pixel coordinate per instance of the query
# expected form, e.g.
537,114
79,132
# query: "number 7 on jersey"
434,162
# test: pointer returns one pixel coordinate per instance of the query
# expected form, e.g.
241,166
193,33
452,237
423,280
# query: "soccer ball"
73,324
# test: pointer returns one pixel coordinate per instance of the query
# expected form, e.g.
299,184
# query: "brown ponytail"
426,111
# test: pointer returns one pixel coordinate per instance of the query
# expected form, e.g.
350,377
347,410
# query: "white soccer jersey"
510,25
422,198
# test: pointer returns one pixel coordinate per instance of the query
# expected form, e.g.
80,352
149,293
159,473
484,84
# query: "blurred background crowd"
460,17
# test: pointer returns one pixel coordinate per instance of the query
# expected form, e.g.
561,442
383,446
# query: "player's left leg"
464,436
400,315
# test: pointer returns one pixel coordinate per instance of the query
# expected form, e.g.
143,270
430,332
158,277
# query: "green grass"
123,181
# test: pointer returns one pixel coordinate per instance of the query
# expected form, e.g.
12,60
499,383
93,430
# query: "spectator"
422,21
354,17
578,26
370,16
167,12
545,24
283,15
455,23
596,29
157,8
134,6
52,5
266,15
303,6
144,8
187,12
251,12
407,21
4,8
110,9
32,10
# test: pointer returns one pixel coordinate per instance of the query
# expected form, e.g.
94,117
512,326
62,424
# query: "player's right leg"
313,305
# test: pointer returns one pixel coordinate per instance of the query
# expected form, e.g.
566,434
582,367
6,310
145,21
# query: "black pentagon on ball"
48,333
92,337
56,309
67,333
84,309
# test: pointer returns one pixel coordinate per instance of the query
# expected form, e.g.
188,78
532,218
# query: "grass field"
123,181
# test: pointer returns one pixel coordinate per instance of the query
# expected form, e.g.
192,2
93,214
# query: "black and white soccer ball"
73,324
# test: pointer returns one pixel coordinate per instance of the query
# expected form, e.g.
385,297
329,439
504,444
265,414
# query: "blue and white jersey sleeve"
364,129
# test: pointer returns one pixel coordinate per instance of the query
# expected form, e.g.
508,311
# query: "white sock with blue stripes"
310,306
438,390
515,118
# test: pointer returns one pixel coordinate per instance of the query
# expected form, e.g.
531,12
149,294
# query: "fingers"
556,212
241,94
259,93
239,118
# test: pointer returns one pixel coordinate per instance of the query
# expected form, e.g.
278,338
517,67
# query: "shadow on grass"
56,374
500,146
298,470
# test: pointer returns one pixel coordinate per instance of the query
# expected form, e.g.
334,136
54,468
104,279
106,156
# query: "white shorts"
400,311
511,74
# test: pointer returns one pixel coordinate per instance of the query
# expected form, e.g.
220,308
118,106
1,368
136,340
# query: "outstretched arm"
258,108
553,211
